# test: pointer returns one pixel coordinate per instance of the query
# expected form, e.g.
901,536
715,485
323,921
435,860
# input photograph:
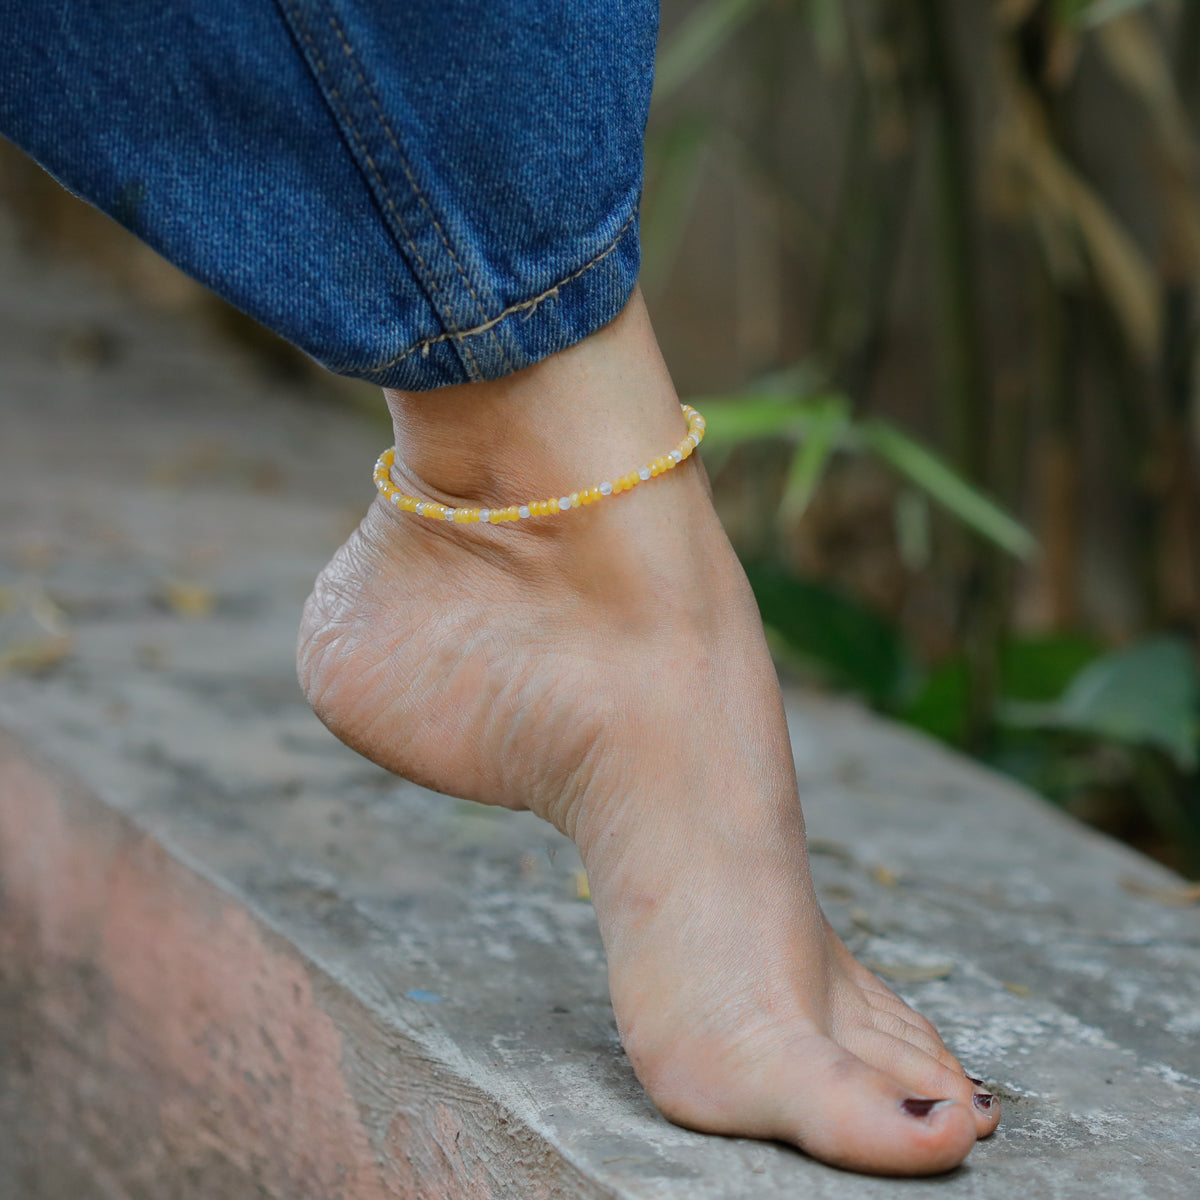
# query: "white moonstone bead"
606,488
523,511
485,515
677,455
564,503
644,473
450,514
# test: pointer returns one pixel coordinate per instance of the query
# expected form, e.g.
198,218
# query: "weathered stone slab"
238,961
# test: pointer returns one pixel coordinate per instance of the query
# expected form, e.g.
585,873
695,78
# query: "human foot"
607,670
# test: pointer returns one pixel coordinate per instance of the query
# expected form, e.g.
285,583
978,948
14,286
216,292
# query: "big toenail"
983,1101
922,1108
976,1082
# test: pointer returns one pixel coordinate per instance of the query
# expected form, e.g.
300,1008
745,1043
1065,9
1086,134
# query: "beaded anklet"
538,508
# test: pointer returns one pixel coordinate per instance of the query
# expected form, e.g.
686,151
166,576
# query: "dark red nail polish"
921,1108
983,1101
976,1082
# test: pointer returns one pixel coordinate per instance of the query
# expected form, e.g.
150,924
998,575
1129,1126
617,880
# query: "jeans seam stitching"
425,344
336,96
412,183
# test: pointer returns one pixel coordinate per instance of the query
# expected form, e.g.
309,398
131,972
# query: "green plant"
1128,722
820,426
1054,421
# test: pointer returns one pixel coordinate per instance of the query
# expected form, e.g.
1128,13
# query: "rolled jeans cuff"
518,335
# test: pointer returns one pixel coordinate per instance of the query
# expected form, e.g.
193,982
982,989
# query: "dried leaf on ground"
36,656
830,849
188,599
35,635
862,919
202,458
911,972
1172,897
837,893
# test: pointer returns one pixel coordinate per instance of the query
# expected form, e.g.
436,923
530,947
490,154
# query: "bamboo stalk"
1181,344
966,395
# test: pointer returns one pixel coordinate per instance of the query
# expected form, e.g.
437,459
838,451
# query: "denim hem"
524,308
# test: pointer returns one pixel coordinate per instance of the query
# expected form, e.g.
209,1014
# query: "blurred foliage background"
931,269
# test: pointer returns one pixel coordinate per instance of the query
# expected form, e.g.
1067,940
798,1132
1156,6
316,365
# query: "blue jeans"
418,194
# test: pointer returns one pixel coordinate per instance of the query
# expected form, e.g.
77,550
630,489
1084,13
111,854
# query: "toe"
926,1075
897,1025
987,1112
825,1100
852,1115
986,1104
884,1000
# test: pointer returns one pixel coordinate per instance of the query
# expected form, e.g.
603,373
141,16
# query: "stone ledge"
239,961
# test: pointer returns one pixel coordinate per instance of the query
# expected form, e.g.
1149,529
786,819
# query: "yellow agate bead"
614,486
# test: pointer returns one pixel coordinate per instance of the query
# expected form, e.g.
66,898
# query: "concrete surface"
238,961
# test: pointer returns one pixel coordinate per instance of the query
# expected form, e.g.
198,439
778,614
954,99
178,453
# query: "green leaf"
673,164
1099,11
799,380
830,33
1035,669
843,641
1147,694
733,419
1071,12
914,528
947,487
703,32
941,705
828,421
1041,668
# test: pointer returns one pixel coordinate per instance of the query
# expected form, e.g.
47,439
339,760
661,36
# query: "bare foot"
606,669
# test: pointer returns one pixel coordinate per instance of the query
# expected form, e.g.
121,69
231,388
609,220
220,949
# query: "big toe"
844,1112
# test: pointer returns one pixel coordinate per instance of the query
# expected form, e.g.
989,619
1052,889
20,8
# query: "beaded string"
539,508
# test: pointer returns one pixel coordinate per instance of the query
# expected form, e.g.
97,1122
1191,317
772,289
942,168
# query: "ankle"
586,414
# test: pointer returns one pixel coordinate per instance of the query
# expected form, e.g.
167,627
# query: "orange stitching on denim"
336,96
391,136
425,344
